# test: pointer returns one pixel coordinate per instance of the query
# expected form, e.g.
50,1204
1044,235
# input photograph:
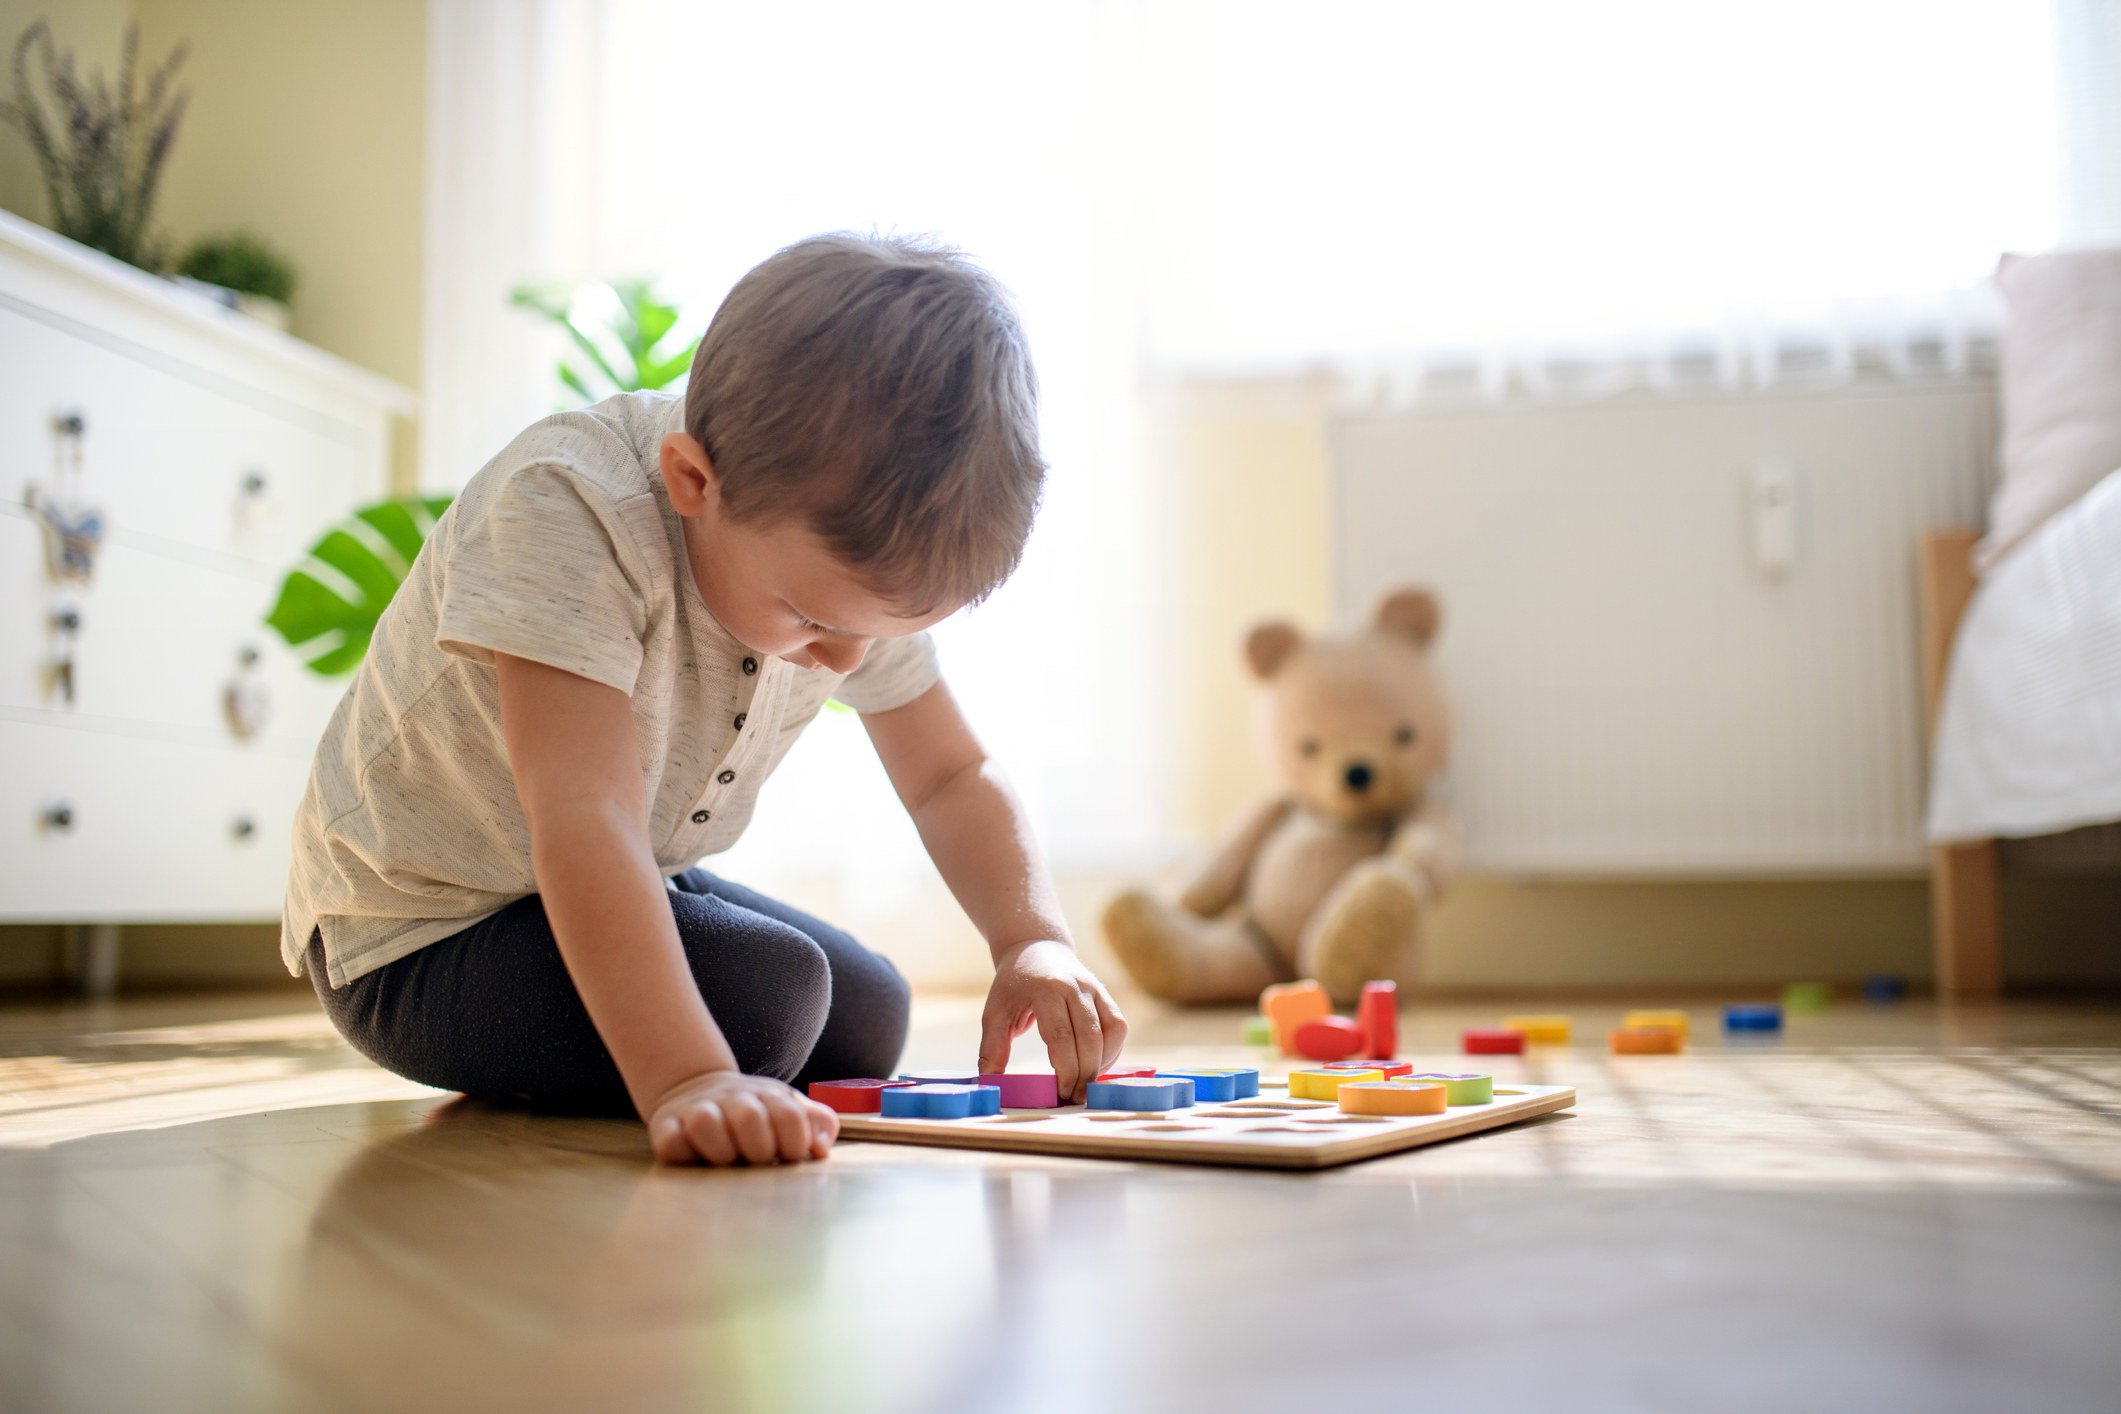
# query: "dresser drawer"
159,642
198,462
156,828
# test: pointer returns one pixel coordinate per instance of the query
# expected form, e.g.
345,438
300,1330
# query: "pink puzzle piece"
1025,1092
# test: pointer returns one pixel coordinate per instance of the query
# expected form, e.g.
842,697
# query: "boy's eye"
1404,736
1309,746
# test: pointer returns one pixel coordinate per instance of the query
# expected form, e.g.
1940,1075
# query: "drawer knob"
59,817
243,828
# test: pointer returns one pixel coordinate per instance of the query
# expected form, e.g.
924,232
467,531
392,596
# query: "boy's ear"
688,474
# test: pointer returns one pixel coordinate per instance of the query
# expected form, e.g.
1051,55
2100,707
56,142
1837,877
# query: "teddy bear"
1335,876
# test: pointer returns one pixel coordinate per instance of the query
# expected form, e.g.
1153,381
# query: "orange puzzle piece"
1288,1005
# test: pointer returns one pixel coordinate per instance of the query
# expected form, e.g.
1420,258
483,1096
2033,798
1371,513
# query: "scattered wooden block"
1210,1087
1147,1072
1288,1005
1386,1097
1328,1038
1808,996
1377,1013
1258,1031
1546,1029
853,1097
1647,1041
1026,1091
1763,1017
1670,1020
1492,1041
1325,1084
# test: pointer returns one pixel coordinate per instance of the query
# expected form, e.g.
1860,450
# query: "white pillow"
2061,388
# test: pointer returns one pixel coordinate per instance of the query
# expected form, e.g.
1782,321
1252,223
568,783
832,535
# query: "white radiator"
1680,630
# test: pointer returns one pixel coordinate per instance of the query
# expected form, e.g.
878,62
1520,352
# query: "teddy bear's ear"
1410,613
1269,646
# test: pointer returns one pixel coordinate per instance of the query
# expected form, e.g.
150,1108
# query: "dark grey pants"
492,1011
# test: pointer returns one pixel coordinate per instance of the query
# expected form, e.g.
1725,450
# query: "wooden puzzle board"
1271,1131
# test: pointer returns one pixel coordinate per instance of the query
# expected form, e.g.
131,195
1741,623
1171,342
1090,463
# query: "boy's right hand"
726,1117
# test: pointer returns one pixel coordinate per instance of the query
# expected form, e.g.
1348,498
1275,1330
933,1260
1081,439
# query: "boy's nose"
841,655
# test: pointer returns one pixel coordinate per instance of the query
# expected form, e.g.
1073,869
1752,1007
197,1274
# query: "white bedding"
2029,733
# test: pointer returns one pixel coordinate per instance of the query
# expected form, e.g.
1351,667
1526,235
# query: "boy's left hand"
1045,981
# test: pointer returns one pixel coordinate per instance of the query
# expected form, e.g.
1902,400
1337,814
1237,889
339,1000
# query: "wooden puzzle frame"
1268,1131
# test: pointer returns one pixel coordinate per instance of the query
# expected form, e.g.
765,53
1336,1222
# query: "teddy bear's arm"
1222,879
1427,843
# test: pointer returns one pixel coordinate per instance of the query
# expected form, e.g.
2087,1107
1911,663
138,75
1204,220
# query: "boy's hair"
880,389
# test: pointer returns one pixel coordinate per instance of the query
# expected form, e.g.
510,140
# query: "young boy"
604,649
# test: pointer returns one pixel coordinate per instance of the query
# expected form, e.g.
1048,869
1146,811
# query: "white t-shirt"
565,550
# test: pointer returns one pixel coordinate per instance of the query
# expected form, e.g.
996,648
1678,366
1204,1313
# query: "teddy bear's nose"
1359,776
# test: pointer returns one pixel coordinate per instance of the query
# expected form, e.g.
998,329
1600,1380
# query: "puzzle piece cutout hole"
1167,1128
1017,1119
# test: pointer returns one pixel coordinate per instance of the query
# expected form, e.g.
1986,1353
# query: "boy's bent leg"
865,1029
492,1010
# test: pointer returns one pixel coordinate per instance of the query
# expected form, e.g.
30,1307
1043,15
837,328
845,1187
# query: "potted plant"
101,149
243,273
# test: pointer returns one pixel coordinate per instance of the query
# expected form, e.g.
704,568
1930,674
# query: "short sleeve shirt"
565,550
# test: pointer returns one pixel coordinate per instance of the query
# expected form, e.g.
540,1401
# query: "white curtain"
1180,186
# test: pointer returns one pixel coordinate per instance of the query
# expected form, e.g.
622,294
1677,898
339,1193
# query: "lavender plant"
101,148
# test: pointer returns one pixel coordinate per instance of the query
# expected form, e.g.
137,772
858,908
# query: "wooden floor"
212,1205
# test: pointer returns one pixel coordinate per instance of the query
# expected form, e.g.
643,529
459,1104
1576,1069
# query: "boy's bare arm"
979,837
578,775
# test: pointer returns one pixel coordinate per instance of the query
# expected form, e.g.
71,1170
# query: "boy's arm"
978,836
578,775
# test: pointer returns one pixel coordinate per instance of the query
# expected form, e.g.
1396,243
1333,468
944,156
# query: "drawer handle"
253,484
58,817
243,828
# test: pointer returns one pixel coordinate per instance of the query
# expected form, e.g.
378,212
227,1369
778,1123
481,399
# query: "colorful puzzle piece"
1764,1016
1258,1031
1288,1005
1141,1093
1545,1029
1391,1069
1245,1081
1377,1013
1882,987
940,1077
1645,1020
1647,1041
1328,1038
1210,1087
1147,1072
1492,1041
1025,1092
853,1097
1387,1097
1325,1084
940,1101
1458,1089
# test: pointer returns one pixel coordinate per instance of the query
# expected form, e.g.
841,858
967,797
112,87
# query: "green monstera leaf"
329,603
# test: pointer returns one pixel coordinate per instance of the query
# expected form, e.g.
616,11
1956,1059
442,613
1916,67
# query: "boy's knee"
767,984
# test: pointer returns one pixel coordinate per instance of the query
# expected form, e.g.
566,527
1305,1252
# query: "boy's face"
773,584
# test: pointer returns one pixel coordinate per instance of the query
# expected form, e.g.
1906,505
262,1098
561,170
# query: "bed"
2022,635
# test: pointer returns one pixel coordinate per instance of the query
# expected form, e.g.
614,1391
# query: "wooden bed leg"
1963,920
1963,923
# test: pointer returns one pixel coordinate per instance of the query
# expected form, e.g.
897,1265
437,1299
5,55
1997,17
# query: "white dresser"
216,451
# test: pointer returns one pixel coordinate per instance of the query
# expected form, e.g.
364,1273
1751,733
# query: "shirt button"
740,720
726,777
751,665
700,817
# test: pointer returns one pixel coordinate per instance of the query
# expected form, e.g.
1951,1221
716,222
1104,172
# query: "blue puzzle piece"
1159,1093
941,1102
1763,1017
1210,1087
